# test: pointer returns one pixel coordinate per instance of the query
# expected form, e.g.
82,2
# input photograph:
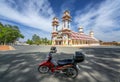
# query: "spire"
91,33
80,30
55,24
66,20
66,13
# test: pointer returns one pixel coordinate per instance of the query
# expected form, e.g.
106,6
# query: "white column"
66,24
54,29
69,24
63,25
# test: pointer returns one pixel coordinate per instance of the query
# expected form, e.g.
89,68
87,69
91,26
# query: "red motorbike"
68,67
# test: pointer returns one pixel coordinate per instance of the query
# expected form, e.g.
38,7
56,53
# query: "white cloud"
103,19
33,13
28,32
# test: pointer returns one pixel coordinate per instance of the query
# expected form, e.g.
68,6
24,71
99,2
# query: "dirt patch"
6,47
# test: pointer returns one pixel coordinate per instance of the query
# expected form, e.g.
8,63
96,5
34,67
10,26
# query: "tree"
49,42
37,40
35,37
45,39
1,35
30,42
9,34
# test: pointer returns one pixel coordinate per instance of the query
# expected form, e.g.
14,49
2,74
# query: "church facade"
65,36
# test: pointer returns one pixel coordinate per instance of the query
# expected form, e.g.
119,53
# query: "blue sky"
35,16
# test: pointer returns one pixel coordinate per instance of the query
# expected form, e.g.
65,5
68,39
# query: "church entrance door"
60,42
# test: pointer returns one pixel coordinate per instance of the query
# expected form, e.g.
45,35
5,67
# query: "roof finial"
80,30
91,33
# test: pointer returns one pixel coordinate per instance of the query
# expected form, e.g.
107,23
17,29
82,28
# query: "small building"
65,36
114,43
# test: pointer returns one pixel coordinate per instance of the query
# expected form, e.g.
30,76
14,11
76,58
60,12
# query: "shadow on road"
22,67
101,66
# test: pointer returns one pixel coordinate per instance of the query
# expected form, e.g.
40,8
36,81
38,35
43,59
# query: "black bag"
53,49
79,57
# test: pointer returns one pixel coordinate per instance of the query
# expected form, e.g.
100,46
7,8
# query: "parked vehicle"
69,67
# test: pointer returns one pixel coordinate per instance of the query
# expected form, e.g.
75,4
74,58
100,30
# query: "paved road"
102,64
33,48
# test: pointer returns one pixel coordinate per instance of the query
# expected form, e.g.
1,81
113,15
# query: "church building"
66,37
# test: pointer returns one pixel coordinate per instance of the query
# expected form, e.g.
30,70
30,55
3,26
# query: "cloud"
32,13
103,19
27,31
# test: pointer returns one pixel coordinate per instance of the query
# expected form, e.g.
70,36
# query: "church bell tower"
66,20
80,30
91,34
55,25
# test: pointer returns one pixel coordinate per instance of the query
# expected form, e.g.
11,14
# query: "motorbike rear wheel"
72,72
43,69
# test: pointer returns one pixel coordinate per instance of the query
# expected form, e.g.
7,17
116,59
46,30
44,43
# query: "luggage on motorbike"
53,49
78,57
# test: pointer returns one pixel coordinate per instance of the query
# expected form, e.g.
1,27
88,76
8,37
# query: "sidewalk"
6,47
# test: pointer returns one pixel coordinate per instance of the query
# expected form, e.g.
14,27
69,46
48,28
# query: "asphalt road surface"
102,64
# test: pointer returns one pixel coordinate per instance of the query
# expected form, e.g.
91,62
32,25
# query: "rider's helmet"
53,49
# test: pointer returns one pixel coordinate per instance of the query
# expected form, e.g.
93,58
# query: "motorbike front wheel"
43,69
71,72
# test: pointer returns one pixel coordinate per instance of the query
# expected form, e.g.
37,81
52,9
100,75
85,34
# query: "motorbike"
68,67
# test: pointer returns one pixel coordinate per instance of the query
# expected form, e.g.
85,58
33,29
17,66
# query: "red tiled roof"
75,35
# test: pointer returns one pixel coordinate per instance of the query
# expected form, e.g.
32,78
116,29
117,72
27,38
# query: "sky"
35,16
